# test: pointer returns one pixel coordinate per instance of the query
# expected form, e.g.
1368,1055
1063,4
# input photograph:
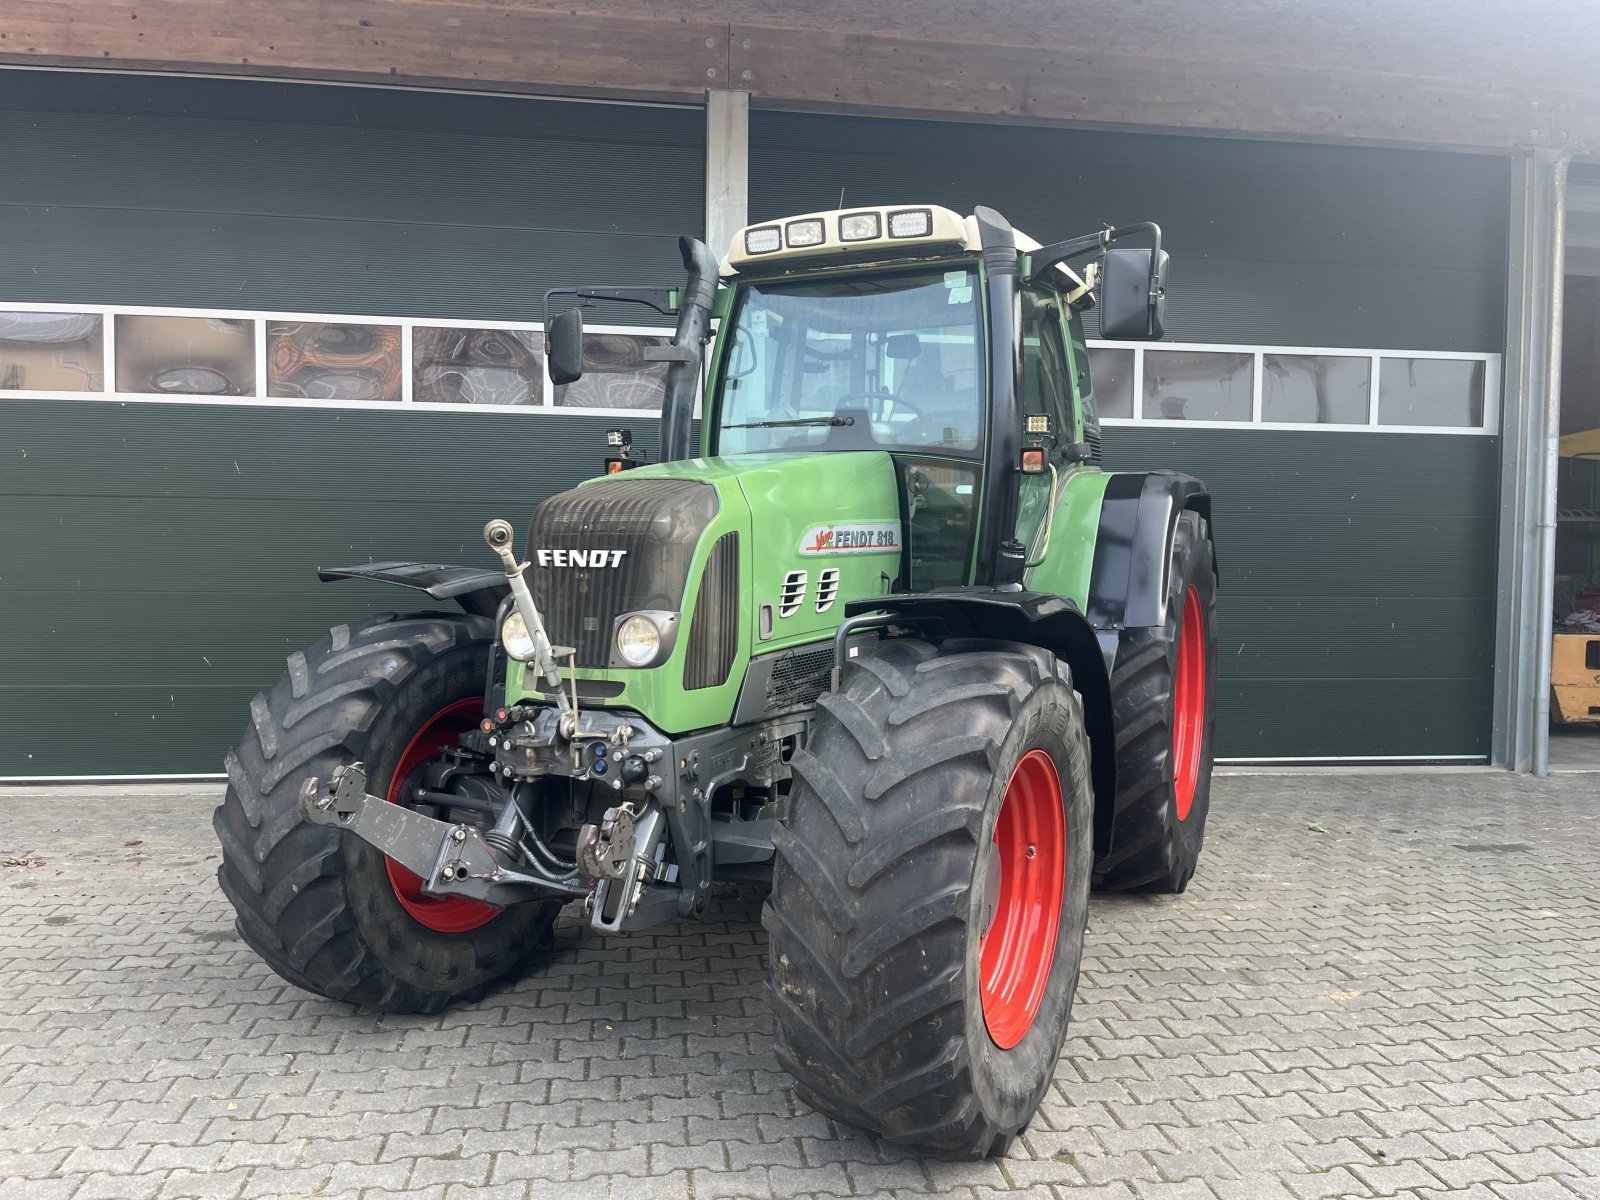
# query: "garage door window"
477,366
616,373
1316,389
331,360
1296,387
1197,385
51,352
186,356
1431,391
1111,371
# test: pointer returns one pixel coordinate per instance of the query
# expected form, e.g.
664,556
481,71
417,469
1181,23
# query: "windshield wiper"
833,420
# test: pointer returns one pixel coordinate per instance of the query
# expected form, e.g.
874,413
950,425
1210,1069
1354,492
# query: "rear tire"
1165,720
895,1013
319,904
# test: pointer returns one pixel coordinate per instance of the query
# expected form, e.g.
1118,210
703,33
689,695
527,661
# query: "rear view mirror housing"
1132,298
563,347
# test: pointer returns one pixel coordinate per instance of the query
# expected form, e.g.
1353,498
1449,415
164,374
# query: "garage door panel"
1341,472
1265,553
183,638
145,543
139,729
1375,638
1354,718
272,262
262,453
387,175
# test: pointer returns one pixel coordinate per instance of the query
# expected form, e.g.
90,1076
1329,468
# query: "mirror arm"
1048,256
663,300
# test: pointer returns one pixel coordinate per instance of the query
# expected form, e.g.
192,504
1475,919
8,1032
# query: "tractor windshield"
863,362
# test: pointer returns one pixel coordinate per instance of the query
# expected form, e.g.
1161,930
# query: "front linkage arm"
451,859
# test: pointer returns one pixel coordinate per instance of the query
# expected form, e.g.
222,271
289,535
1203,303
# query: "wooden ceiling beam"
673,51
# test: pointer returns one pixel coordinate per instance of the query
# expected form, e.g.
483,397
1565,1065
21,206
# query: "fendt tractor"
877,632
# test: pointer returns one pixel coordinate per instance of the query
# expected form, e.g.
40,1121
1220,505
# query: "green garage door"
159,556
1331,371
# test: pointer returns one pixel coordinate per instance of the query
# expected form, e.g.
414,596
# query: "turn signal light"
1033,460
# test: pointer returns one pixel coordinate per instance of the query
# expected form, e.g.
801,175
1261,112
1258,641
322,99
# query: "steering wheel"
882,398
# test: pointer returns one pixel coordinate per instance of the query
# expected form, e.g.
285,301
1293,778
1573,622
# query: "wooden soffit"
1476,74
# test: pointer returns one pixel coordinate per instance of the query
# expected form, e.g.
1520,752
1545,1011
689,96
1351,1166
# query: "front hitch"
450,859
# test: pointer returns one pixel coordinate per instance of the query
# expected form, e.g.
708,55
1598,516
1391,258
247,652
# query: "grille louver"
794,593
827,588
714,628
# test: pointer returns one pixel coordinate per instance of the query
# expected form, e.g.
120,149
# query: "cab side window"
1046,373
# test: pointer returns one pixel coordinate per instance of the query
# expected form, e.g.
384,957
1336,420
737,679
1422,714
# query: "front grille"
1092,436
655,523
714,630
799,677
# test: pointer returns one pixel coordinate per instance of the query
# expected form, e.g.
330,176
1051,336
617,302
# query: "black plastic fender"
477,590
1035,618
1133,550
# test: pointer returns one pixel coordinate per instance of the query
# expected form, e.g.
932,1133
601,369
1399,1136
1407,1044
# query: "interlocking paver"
1369,1011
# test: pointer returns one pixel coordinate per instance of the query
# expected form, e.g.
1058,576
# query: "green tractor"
878,631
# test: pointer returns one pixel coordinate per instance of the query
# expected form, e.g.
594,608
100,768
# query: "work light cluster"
852,227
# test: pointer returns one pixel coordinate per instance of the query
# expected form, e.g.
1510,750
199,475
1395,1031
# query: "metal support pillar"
727,167
1530,438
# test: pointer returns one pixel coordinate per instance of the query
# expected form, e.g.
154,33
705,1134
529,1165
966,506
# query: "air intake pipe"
694,330
1001,557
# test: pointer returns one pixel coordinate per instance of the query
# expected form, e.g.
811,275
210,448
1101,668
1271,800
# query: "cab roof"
873,235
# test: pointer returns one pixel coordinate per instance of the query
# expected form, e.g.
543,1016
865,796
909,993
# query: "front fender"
477,590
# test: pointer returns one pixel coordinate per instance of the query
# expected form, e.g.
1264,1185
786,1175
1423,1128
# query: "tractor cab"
954,344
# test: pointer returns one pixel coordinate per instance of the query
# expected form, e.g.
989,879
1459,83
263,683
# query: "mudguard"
477,590
1133,550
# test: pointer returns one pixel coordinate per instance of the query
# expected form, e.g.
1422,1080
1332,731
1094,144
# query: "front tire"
326,910
930,893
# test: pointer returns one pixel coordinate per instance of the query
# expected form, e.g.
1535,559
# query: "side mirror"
563,346
1132,298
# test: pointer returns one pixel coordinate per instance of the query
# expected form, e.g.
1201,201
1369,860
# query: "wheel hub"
442,914
1024,894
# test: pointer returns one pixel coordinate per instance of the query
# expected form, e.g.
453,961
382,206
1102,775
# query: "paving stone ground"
1378,985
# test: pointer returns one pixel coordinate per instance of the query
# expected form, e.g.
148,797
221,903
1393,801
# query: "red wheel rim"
1018,949
452,914
1189,704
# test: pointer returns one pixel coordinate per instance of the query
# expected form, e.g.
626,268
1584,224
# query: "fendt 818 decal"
879,536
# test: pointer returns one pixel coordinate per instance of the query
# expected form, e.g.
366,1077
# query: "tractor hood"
733,557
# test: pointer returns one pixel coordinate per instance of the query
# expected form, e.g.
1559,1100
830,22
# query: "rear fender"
1036,619
477,590
1133,550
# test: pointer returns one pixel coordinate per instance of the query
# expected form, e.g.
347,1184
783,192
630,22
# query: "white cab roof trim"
946,228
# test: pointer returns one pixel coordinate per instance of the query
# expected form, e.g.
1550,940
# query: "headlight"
638,641
514,636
